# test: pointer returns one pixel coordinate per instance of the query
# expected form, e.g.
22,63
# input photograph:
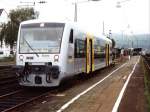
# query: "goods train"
49,52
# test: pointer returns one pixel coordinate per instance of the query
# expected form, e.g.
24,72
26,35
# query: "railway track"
7,72
6,89
9,87
8,81
11,94
20,97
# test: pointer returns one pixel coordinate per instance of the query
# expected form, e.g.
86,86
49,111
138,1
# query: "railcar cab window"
80,48
71,36
41,37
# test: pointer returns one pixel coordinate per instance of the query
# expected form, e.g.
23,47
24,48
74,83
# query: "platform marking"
124,78
115,108
87,90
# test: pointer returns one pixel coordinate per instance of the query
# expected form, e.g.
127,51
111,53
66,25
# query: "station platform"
103,96
134,99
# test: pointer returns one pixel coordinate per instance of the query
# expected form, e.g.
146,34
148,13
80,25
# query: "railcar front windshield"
41,38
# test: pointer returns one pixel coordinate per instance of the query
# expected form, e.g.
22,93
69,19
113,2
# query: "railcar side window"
71,36
80,48
99,49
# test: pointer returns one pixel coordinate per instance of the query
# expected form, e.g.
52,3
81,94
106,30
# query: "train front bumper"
38,75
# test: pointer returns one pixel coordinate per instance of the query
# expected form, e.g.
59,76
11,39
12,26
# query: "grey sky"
132,16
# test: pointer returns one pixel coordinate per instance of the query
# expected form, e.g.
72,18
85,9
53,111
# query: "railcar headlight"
21,57
56,58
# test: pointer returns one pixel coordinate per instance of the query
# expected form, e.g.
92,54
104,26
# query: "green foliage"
2,33
16,16
9,31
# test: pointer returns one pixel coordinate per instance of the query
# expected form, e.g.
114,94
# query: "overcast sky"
133,16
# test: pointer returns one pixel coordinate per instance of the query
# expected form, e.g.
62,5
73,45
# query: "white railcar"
48,52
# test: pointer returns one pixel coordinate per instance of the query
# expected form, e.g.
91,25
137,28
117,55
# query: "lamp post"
76,8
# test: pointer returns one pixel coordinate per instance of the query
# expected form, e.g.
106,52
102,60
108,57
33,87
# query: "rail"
18,98
7,74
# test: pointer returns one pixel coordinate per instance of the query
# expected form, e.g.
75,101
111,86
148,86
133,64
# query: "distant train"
49,52
137,51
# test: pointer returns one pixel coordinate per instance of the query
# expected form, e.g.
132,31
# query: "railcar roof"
41,21
66,22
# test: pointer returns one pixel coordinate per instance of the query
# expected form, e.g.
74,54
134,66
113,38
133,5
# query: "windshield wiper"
31,48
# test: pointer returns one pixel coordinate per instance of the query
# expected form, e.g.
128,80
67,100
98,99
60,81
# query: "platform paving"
134,99
103,97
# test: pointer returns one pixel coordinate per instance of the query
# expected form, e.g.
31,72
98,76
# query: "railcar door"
89,55
107,54
70,61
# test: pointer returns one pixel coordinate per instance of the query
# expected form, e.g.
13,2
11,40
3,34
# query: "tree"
2,33
10,31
